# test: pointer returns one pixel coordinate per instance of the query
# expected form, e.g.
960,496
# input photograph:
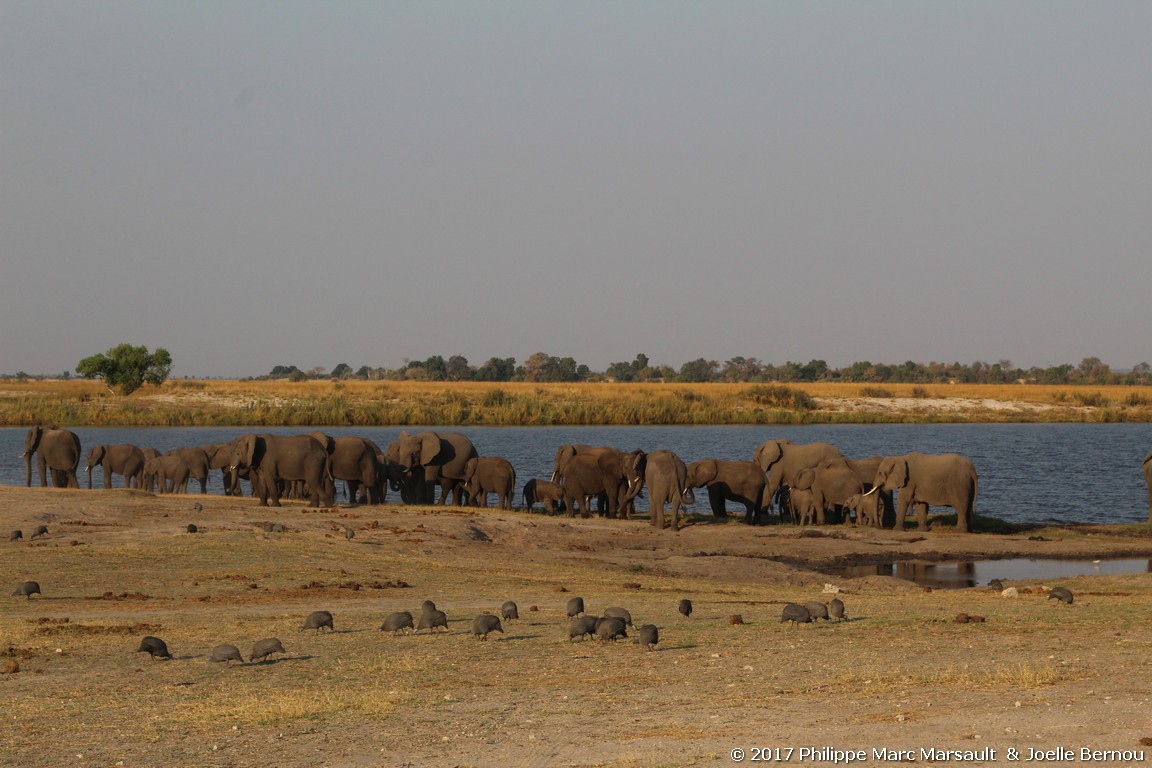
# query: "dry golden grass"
368,403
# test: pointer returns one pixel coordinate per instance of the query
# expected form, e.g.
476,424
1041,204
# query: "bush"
128,367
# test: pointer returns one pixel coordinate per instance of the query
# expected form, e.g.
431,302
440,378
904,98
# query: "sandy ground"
900,674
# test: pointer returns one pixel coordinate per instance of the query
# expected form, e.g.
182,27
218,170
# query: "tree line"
542,367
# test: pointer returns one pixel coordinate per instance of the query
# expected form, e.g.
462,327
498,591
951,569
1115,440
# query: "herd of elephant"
813,482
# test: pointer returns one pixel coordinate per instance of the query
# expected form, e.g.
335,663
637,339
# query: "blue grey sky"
250,184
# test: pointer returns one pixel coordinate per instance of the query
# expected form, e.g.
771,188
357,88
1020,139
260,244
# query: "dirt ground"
900,674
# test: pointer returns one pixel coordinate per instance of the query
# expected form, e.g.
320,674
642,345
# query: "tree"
458,368
127,367
341,371
496,369
698,370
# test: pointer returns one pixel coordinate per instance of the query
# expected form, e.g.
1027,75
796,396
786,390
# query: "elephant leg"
716,500
902,502
922,514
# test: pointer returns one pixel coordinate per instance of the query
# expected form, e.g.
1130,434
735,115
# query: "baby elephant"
544,491
490,474
317,620
485,623
265,648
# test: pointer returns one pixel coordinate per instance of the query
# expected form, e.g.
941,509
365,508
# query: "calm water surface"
1039,473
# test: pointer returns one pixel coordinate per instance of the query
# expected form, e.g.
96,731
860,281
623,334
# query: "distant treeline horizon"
542,367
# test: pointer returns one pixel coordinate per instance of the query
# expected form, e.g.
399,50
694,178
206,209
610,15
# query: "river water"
1035,473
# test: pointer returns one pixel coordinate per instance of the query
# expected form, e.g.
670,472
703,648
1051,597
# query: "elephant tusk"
874,489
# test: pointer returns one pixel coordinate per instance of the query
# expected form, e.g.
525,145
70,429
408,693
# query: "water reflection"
973,573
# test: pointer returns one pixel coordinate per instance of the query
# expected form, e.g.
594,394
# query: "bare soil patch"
901,673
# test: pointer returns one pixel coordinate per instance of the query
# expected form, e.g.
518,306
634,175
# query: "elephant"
739,481
490,474
197,461
126,460
355,460
831,485
544,491
944,479
666,476
168,474
618,475
783,460
278,458
220,457
566,453
1148,482
441,458
865,469
55,449
802,504
868,508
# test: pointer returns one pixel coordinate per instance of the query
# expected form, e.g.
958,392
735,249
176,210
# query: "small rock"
735,619
1010,592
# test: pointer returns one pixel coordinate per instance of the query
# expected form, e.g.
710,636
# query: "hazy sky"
249,184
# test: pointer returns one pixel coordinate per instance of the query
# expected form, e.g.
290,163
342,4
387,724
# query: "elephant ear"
705,472
898,478
805,479
1147,459
769,453
325,440
249,447
429,447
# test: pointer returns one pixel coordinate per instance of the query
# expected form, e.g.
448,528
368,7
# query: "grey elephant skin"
124,460
783,460
801,503
739,481
869,509
921,479
490,474
609,471
55,449
544,491
435,458
220,457
167,474
1148,482
831,486
356,461
280,459
666,476
197,461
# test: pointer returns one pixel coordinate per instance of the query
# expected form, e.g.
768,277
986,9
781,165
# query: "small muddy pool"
957,575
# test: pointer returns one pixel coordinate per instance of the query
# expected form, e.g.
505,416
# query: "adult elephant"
354,460
167,473
435,458
276,459
55,449
197,461
612,472
1148,481
126,460
666,476
783,460
220,457
920,479
739,481
490,474
831,485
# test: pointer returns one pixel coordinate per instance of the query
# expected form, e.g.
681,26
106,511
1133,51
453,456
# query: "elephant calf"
546,492
489,474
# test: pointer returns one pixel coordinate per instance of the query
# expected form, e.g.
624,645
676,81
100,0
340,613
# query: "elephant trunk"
28,467
688,496
88,471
